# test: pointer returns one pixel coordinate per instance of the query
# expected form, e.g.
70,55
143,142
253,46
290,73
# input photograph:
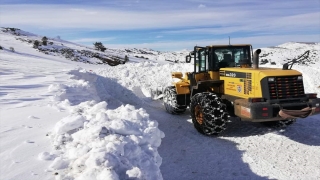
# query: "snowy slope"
45,97
62,119
81,53
288,51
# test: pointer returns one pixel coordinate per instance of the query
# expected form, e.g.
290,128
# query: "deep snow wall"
95,142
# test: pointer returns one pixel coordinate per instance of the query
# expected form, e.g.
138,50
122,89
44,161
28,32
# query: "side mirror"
188,59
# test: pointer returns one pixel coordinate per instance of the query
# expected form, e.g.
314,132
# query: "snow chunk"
68,124
107,174
58,163
134,173
45,156
124,127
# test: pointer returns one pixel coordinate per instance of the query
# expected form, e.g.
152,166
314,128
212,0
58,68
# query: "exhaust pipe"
256,59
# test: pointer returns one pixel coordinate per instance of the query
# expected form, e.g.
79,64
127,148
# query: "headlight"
300,77
271,79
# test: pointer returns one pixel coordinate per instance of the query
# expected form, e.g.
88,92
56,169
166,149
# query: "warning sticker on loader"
231,87
245,112
239,88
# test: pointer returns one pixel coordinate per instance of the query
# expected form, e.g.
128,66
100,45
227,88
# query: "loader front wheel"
170,101
209,114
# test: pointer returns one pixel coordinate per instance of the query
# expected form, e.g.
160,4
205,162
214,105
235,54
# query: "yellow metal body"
245,82
182,86
239,82
256,94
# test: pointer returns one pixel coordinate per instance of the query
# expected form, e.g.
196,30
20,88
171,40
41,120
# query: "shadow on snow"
188,154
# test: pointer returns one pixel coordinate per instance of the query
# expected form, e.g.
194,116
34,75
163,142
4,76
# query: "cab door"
201,60
201,65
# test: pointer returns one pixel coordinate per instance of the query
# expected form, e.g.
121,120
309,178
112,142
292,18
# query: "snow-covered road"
244,151
67,120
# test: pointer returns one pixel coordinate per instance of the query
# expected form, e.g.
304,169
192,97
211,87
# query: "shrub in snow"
44,40
99,46
11,49
67,52
36,44
1,48
13,29
263,61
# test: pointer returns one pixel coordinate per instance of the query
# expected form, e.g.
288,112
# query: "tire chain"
215,111
171,105
286,123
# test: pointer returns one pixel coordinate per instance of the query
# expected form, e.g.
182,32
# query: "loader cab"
212,58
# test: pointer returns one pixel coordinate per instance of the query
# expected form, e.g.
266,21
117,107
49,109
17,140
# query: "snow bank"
96,142
142,77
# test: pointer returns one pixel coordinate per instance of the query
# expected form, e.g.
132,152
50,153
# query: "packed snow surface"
62,119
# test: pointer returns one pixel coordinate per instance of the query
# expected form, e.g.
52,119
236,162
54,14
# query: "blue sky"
167,25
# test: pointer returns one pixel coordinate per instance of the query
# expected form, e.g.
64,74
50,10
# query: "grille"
286,87
247,83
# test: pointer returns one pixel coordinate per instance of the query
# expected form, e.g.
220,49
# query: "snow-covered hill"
310,68
80,53
63,119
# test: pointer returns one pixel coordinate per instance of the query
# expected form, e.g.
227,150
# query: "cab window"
230,57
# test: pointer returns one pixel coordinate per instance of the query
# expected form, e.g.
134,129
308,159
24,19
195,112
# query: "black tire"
170,101
209,114
280,124
229,107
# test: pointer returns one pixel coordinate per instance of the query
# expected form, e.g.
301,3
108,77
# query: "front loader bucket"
156,93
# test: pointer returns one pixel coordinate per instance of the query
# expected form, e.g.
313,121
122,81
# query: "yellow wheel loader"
228,82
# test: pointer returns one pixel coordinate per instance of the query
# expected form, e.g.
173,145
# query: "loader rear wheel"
170,101
209,114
